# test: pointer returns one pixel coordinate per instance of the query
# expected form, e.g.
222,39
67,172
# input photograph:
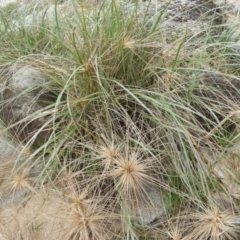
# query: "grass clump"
138,125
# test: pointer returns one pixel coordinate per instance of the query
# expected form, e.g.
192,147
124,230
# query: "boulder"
24,100
151,208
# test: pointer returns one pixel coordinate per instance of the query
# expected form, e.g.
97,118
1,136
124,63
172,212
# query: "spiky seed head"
20,181
175,234
215,225
130,174
107,154
80,201
87,225
128,42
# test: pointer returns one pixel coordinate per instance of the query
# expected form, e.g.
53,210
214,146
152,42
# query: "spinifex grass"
129,111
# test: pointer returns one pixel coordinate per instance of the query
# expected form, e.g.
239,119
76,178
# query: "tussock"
132,109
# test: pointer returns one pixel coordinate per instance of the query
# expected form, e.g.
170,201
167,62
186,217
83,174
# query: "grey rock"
181,16
152,207
24,101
